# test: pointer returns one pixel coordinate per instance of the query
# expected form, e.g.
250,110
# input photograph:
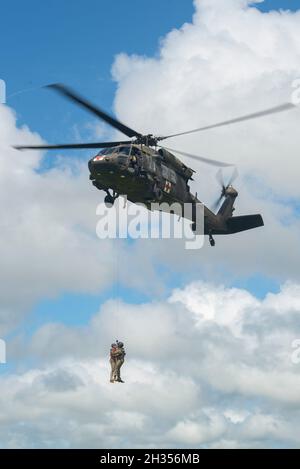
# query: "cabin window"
168,174
152,165
164,171
125,150
149,163
135,151
172,177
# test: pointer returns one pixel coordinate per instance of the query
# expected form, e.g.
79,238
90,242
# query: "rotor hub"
230,190
148,140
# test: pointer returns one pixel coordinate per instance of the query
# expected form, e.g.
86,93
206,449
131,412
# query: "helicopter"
145,171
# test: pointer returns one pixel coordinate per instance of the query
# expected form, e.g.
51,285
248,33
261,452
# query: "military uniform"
113,362
120,356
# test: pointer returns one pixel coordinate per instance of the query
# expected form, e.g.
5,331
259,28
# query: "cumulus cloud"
210,366
48,242
47,234
231,60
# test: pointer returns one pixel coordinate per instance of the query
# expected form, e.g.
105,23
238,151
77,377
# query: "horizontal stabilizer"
244,222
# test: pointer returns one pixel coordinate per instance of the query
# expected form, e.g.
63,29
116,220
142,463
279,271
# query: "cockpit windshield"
108,151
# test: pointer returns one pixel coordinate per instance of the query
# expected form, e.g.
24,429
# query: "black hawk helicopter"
147,172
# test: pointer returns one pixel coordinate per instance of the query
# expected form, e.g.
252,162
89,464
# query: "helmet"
120,344
113,345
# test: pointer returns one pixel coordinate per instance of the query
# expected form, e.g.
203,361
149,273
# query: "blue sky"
268,5
77,46
75,43
66,295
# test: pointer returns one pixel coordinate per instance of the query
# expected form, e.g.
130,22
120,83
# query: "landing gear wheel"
109,200
211,240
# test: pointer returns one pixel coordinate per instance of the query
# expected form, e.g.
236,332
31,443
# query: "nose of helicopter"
107,164
102,163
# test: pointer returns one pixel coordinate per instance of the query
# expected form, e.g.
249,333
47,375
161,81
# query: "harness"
116,354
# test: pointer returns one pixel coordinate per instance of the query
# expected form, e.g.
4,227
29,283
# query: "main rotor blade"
273,110
65,146
201,158
70,94
233,177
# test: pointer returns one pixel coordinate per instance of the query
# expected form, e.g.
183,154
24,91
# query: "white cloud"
211,366
47,234
48,242
191,380
231,60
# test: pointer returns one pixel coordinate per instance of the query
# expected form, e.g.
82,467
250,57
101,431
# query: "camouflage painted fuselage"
145,176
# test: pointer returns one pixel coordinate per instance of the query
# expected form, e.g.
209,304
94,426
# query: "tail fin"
243,223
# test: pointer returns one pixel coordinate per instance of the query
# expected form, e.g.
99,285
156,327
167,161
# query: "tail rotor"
226,189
